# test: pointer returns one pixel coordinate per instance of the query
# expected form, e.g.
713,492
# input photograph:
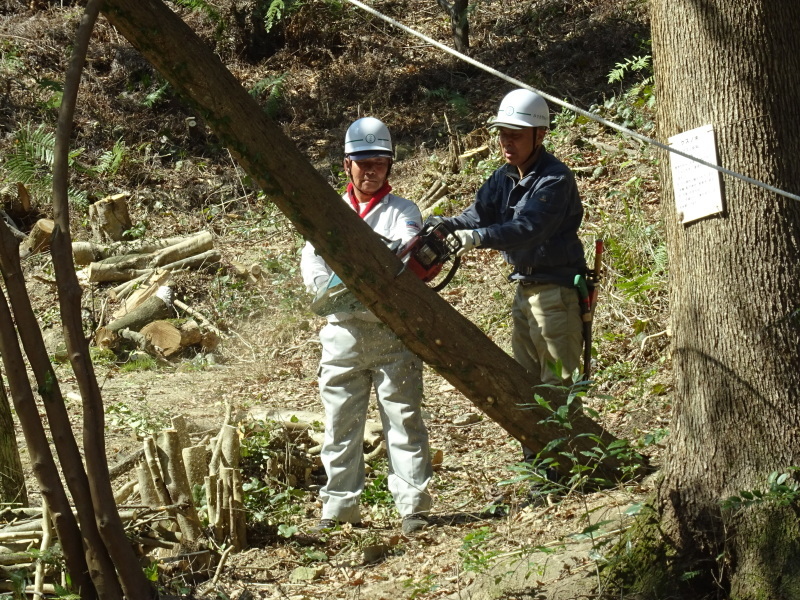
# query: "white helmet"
520,109
368,138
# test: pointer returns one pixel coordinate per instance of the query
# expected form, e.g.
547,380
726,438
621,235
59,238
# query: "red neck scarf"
385,189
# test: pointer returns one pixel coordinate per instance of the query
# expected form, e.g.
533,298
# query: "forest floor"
182,183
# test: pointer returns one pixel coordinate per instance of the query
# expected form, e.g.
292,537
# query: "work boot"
414,522
324,526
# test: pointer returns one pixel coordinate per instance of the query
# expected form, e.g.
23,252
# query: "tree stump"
38,239
109,218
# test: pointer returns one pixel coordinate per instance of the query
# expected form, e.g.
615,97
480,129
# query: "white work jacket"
394,218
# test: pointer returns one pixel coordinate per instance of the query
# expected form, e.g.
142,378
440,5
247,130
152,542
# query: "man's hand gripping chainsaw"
424,255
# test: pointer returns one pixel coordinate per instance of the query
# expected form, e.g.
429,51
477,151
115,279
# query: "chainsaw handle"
449,276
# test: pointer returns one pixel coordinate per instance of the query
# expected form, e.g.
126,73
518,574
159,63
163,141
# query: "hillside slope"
320,67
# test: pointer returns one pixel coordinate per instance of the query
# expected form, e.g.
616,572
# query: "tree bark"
131,578
459,22
99,563
12,478
44,466
734,308
452,345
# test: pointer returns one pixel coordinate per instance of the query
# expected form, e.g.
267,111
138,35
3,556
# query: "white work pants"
358,355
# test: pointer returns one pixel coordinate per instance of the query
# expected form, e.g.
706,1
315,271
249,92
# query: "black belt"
535,282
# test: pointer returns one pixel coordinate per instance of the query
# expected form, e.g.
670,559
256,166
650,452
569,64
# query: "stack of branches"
182,504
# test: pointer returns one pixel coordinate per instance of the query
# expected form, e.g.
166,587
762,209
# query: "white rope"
580,111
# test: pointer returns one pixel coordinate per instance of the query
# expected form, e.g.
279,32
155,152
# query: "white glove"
320,282
469,239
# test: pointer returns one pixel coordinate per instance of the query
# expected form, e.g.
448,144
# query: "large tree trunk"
452,345
734,306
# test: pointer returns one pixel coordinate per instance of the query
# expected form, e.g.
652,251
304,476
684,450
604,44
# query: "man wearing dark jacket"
530,210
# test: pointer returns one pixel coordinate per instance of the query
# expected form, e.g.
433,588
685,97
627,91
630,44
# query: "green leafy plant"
279,10
634,105
474,553
274,503
139,362
456,101
31,162
201,6
376,491
111,160
142,418
782,490
419,587
273,87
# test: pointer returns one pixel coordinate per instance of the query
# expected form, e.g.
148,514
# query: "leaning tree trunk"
12,478
734,305
428,325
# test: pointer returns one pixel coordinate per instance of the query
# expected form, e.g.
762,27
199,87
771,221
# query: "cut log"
123,493
198,244
147,490
190,333
141,291
238,523
172,339
195,459
38,239
226,450
125,465
210,485
84,253
154,308
205,260
239,270
23,203
104,273
203,321
100,272
171,458
109,218
179,424
156,475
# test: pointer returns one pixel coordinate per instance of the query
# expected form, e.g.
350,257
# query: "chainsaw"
425,255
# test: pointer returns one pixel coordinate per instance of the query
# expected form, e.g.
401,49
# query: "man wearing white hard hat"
530,210
360,353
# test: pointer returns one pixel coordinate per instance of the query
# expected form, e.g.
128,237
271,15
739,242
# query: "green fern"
201,6
31,162
275,87
111,160
279,10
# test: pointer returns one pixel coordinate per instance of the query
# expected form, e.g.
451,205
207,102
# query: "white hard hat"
520,109
368,138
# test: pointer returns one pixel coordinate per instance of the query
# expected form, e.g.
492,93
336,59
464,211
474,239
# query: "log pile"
137,275
146,316
181,501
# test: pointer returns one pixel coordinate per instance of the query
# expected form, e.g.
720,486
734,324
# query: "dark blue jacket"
533,221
